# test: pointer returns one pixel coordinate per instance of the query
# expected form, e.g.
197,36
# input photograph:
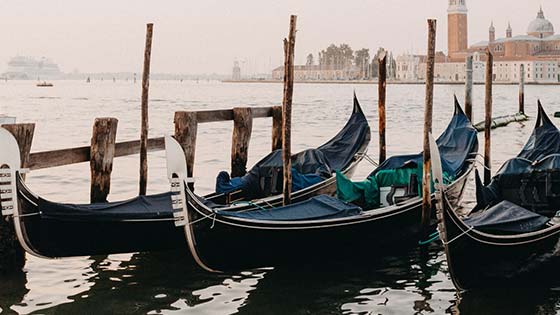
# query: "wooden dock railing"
104,149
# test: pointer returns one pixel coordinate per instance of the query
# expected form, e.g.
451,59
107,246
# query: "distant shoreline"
388,82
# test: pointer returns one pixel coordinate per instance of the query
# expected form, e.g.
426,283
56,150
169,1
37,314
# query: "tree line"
343,57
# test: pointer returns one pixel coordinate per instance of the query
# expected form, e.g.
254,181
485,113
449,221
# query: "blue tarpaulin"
505,218
308,167
316,208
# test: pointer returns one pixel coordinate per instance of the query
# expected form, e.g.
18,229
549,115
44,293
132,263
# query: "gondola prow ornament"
177,174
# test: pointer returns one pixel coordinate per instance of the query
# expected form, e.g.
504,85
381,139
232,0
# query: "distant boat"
45,84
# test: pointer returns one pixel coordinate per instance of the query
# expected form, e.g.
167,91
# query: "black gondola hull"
477,260
222,243
64,237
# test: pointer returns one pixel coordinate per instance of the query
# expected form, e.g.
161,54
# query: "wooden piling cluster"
104,149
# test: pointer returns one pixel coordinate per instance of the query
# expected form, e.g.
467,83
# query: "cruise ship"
23,67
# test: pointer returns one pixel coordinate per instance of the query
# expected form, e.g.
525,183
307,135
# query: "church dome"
540,27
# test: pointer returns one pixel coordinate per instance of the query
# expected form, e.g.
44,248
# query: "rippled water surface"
411,282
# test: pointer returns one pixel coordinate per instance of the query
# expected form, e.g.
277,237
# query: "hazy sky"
205,36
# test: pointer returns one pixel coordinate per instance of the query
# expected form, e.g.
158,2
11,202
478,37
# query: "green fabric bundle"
367,191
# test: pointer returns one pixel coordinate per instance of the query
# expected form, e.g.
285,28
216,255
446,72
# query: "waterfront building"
319,72
538,50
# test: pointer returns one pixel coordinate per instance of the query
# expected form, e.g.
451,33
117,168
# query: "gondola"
322,228
511,238
145,223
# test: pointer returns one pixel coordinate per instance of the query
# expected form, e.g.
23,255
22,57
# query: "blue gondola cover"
316,208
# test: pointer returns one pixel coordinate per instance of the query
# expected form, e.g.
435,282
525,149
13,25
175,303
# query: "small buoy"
557,114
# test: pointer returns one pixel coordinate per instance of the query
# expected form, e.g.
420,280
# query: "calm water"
411,283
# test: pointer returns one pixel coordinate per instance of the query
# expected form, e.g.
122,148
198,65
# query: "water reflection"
12,291
508,302
143,284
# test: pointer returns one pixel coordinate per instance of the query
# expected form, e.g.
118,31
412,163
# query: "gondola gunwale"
487,238
365,216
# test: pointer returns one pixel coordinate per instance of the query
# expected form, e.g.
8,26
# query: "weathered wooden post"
102,152
242,127
469,87
488,116
24,136
186,125
12,256
522,89
276,128
144,130
426,178
289,45
381,96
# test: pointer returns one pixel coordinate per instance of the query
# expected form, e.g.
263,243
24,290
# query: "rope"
458,236
249,203
432,237
370,160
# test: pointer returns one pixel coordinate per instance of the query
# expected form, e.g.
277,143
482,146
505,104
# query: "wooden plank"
428,110
206,116
289,45
381,96
488,117
143,181
102,153
62,157
242,127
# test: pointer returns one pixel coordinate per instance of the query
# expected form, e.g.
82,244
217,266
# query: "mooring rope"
432,237
370,160
458,236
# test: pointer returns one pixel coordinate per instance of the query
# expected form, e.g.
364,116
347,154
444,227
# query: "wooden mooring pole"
522,88
289,45
12,256
242,127
469,87
426,178
488,116
381,96
144,130
102,153
277,128
186,126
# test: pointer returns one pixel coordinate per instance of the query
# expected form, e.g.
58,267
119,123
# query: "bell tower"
457,37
